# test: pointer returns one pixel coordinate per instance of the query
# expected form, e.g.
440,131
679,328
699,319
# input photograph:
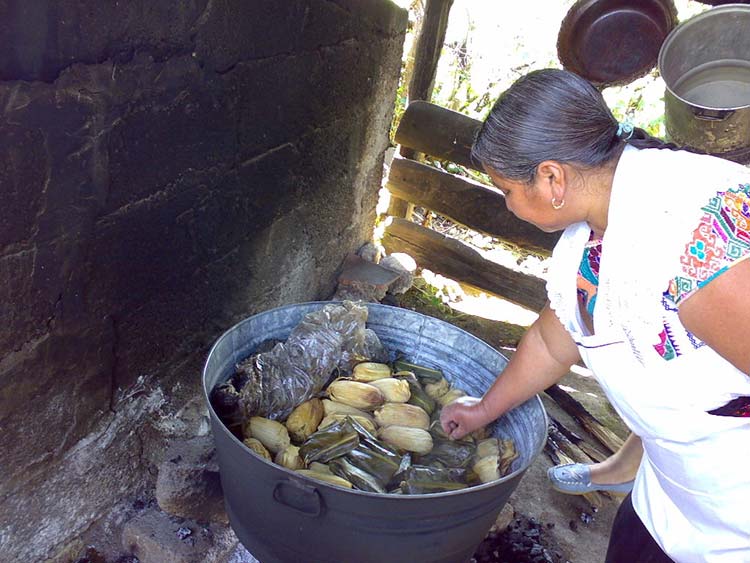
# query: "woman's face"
532,202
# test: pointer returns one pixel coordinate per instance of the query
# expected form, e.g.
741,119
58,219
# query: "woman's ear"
552,175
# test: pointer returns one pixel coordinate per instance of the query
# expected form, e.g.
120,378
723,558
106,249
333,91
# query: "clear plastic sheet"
331,339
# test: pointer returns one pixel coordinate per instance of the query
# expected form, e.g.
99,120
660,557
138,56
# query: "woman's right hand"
463,416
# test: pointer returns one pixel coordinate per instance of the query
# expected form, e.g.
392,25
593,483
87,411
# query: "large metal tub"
282,517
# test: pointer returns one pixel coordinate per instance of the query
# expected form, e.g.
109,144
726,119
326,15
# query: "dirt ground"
581,533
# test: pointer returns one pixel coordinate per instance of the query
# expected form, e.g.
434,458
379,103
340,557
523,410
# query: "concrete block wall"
167,169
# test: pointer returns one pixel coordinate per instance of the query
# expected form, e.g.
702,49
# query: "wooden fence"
447,135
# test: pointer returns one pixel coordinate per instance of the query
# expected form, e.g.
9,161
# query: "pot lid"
613,42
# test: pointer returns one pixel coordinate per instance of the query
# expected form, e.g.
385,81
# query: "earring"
557,206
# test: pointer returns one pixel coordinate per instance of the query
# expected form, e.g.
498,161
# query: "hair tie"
624,130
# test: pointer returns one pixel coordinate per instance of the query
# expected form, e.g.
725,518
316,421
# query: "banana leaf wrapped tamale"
361,479
417,479
377,462
448,453
423,373
331,442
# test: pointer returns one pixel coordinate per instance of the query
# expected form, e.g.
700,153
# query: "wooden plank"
588,421
439,132
458,261
465,201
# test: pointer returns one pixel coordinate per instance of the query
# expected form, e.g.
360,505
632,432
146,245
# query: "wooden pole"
427,51
428,48
459,262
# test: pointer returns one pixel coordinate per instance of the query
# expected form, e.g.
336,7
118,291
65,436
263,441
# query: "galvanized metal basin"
281,516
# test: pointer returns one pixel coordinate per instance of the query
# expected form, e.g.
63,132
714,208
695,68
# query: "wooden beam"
465,201
459,262
439,132
428,48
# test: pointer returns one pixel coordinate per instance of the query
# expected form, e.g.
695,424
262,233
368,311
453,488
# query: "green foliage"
399,106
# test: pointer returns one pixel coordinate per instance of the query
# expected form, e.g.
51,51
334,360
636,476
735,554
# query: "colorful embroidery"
721,240
587,282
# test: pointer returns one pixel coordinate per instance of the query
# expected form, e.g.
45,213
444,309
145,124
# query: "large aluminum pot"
281,516
705,64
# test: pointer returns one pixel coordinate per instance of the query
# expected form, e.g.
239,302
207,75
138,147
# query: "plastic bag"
332,338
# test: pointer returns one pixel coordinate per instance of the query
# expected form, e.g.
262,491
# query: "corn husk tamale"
336,440
317,466
487,447
334,407
402,414
256,445
437,389
289,458
326,477
395,390
304,420
356,394
487,468
370,371
361,479
407,439
271,433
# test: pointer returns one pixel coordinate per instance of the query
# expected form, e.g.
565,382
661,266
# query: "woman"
662,324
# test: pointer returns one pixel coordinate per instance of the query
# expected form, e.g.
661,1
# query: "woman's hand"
463,416
544,355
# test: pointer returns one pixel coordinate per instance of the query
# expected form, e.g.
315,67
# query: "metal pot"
613,42
705,64
281,516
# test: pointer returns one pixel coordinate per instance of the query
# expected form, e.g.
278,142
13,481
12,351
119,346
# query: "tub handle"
706,114
301,498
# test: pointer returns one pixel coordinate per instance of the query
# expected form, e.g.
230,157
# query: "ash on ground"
525,540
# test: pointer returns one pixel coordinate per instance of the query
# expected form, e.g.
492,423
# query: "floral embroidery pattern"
720,241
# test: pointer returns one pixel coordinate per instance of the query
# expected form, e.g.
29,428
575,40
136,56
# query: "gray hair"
551,114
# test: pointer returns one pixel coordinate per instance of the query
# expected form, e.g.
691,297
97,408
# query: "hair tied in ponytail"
624,130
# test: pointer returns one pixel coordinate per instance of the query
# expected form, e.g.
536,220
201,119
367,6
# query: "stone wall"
167,169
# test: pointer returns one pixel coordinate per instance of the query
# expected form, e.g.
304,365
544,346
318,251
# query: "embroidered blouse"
721,241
